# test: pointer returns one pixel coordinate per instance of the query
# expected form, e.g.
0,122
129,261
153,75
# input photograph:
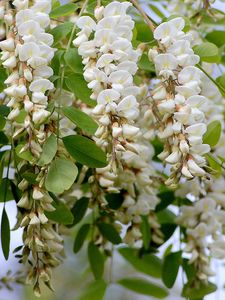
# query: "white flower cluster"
26,53
110,63
136,180
205,222
177,102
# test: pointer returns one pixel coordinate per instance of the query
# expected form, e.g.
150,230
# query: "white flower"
29,28
128,107
116,9
108,96
41,85
28,50
120,80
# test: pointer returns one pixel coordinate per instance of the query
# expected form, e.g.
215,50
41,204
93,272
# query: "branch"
147,19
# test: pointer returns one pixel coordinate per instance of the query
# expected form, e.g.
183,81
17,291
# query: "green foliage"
213,133
73,60
145,64
79,209
94,291
80,237
208,52
49,151
191,291
144,34
61,31
143,287
146,231
61,175
96,260
26,155
148,263
82,120
114,200
5,234
77,85
3,77
64,10
110,233
170,268
5,190
85,151
216,37
61,214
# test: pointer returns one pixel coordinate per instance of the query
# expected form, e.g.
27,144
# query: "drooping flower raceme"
177,102
26,54
110,63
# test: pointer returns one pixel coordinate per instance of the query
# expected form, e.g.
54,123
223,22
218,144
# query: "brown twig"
148,21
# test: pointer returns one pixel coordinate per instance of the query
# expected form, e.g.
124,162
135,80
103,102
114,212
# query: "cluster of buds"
139,180
40,236
110,64
177,102
204,223
26,53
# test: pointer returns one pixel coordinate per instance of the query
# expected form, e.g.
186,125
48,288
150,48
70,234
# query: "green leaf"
4,184
189,269
3,138
208,52
145,64
2,122
80,238
167,220
148,264
85,151
5,234
77,85
170,268
79,209
146,231
189,291
61,31
3,76
30,177
143,32
82,120
74,60
110,233
216,37
61,175
144,287
214,164
4,110
49,151
63,10
26,155
213,133
221,81
94,291
167,197
96,260
61,214
114,200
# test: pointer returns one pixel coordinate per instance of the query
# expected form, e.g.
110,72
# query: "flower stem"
149,22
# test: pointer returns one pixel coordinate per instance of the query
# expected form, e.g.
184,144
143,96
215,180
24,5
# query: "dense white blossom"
110,63
180,113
